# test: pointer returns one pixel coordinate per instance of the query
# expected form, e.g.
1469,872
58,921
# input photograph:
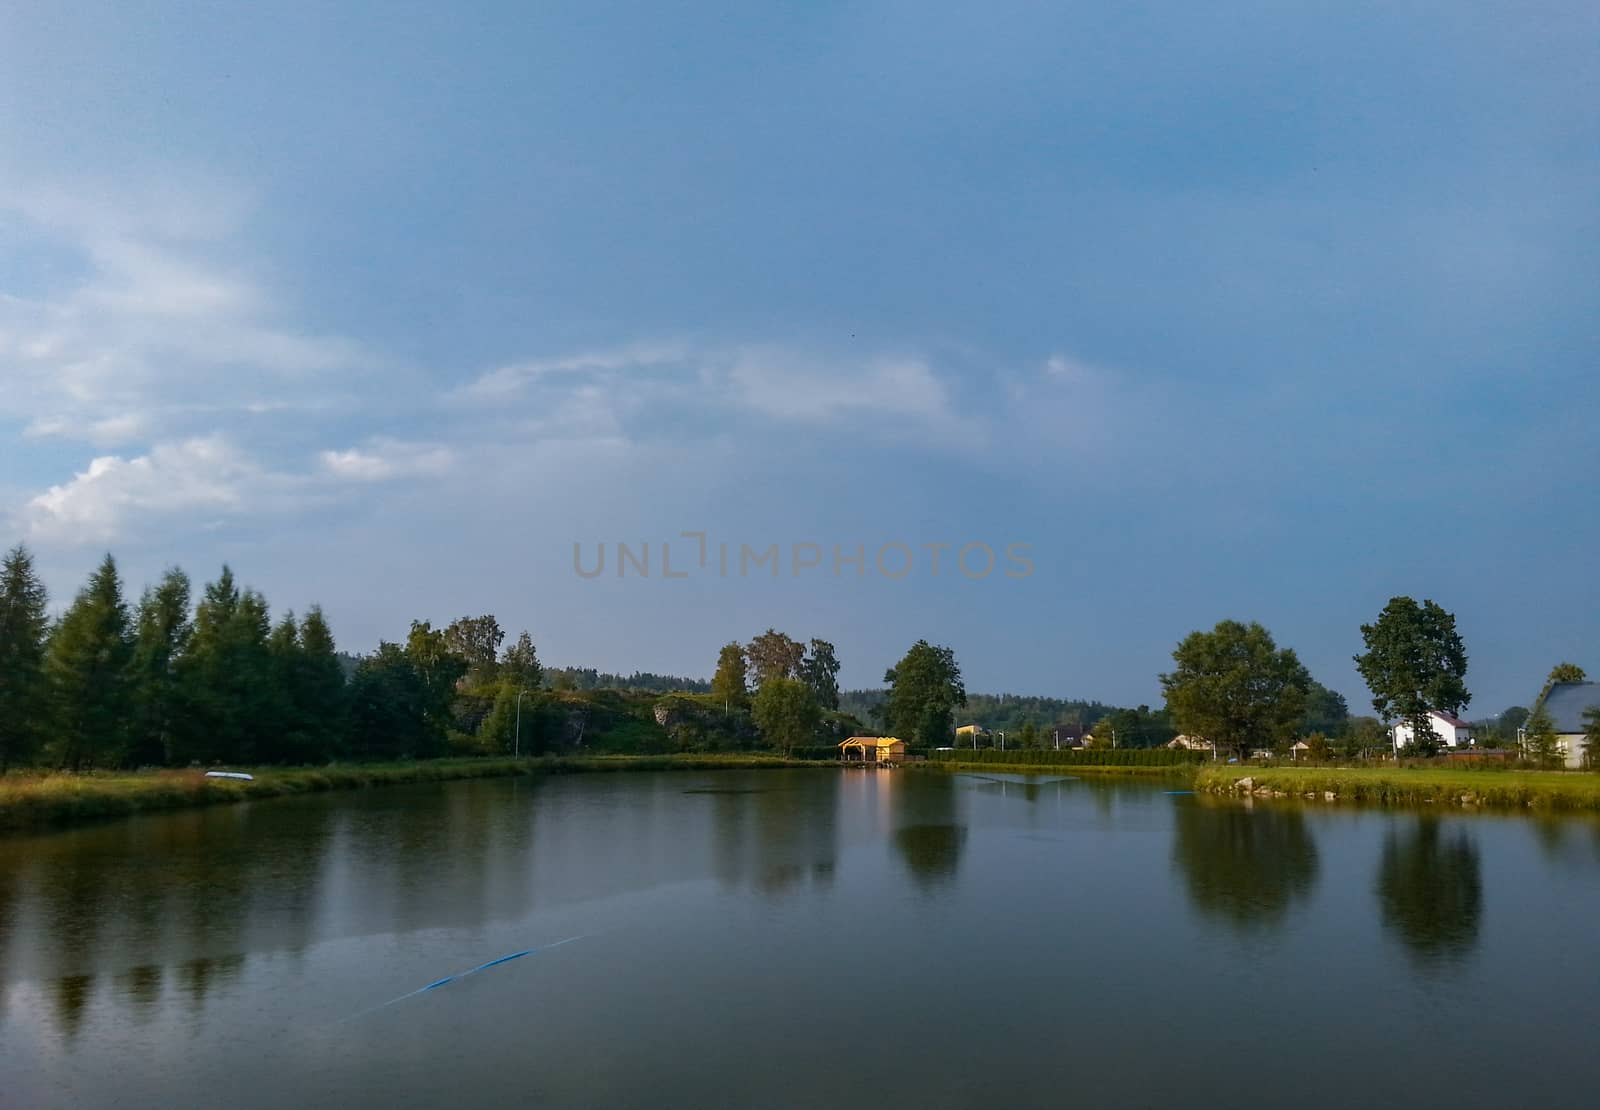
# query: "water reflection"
775,836
1430,890
925,815
1246,866
1571,841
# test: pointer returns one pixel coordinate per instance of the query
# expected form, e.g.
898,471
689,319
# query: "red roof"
1449,720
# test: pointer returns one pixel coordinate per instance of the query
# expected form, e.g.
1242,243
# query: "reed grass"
30,800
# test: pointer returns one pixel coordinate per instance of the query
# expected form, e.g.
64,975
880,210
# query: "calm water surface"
807,938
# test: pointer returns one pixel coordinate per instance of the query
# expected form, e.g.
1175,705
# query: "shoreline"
41,802
1420,787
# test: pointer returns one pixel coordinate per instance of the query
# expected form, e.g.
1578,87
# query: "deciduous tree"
1235,687
729,684
519,666
477,641
786,713
925,688
1414,663
774,655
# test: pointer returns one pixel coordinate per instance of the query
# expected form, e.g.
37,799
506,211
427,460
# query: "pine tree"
820,671
1540,740
23,630
229,692
86,666
320,691
163,630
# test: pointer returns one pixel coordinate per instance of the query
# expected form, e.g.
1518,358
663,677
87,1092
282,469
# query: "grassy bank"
35,801
1553,790
1143,770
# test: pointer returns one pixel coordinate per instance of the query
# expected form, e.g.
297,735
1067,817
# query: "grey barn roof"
1566,702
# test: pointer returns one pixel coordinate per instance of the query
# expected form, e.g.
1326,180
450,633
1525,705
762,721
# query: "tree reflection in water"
1246,866
1430,891
928,833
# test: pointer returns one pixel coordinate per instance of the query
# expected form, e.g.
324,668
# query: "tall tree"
1561,672
925,688
24,627
1540,742
388,706
477,641
1029,736
230,695
787,713
820,671
318,690
1235,687
774,655
162,636
438,668
87,669
1414,663
1325,712
730,684
519,666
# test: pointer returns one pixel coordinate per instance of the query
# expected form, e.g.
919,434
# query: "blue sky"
1227,310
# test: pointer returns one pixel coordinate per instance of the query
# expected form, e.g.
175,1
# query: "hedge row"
1050,757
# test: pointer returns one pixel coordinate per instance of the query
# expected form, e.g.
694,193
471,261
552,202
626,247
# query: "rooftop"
1566,702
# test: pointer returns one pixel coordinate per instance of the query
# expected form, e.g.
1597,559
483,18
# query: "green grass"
34,801
1417,786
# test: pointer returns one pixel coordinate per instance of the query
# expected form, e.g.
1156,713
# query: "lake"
808,938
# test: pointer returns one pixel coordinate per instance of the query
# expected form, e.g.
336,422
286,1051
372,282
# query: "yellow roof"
871,742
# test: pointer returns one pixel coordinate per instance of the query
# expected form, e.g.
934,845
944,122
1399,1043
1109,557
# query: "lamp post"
516,750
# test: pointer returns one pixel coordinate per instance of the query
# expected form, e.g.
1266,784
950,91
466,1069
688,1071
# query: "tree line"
174,680
171,680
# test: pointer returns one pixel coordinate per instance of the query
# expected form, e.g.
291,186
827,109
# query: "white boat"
230,775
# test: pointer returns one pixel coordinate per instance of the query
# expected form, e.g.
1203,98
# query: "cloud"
508,381
198,479
384,459
775,381
157,328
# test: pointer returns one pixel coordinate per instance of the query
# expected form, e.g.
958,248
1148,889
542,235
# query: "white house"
1451,732
1192,743
1565,702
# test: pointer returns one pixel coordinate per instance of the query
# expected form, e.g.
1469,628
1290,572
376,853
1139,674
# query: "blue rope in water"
470,971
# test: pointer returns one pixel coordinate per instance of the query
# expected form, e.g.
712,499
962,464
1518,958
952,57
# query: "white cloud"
594,391
383,459
201,479
159,329
508,381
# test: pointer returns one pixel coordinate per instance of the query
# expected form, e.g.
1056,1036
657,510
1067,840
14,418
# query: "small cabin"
872,749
